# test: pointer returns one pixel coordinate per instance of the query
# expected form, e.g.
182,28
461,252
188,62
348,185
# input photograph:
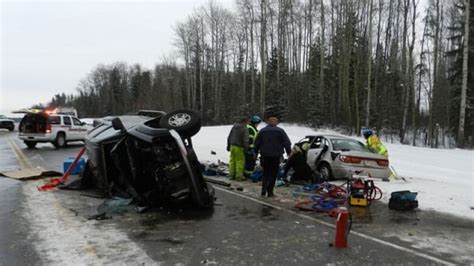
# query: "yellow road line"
20,156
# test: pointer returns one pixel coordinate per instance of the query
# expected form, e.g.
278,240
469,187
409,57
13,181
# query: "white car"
55,128
337,157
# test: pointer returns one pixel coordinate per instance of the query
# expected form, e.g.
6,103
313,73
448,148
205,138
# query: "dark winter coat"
272,141
239,136
297,161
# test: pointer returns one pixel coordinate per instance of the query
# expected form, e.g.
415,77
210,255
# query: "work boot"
270,194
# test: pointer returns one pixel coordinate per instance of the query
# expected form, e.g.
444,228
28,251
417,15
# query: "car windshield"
348,145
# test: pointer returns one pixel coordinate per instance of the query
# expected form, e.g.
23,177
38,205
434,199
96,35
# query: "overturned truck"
148,156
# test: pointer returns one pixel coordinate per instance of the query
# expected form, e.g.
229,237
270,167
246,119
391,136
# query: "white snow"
443,178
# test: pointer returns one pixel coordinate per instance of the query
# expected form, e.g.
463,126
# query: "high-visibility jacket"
252,135
374,144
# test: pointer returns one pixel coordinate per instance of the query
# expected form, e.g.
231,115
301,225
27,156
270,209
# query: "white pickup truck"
55,128
6,123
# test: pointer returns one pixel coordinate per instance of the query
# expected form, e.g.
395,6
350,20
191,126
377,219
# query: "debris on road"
30,174
217,181
99,217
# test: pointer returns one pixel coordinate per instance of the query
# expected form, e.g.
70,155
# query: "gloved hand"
228,148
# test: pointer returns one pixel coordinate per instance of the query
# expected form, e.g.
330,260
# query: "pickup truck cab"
6,123
55,128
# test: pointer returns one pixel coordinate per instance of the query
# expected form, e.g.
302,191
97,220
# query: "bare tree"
462,112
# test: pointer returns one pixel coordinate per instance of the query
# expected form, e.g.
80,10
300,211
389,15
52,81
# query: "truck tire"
186,122
60,141
30,144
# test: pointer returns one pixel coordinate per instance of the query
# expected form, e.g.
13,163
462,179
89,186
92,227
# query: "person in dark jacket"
297,161
271,142
238,144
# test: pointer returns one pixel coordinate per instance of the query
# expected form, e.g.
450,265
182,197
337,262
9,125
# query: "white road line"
371,238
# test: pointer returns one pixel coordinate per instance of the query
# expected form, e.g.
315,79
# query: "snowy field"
444,179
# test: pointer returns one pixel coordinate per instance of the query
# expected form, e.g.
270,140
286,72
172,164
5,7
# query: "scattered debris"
30,174
213,169
99,217
217,181
96,196
141,209
115,205
76,213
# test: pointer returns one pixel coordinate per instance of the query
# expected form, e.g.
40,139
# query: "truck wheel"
30,144
325,171
186,122
60,141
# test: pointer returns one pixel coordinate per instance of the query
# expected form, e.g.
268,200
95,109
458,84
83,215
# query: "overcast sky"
48,46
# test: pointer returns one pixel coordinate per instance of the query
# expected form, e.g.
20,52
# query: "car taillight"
350,159
48,128
382,162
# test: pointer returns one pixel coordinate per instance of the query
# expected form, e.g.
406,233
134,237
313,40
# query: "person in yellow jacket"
237,145
250,154
374,143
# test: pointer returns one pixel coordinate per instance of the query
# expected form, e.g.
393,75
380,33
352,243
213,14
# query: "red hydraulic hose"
58,181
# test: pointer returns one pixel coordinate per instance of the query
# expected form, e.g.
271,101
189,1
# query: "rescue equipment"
362,191
403,200
58,181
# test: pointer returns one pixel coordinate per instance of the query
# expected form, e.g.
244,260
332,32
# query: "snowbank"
444,179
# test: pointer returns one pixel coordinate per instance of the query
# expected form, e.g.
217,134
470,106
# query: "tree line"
387,64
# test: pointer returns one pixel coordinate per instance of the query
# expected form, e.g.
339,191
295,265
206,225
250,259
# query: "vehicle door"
68,128
315,148
80,129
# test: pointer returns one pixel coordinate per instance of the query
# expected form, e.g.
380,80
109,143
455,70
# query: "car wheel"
186,122
11,128
60,141
325,171
30,144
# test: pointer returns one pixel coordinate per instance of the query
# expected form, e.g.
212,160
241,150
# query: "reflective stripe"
252,135
373,142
